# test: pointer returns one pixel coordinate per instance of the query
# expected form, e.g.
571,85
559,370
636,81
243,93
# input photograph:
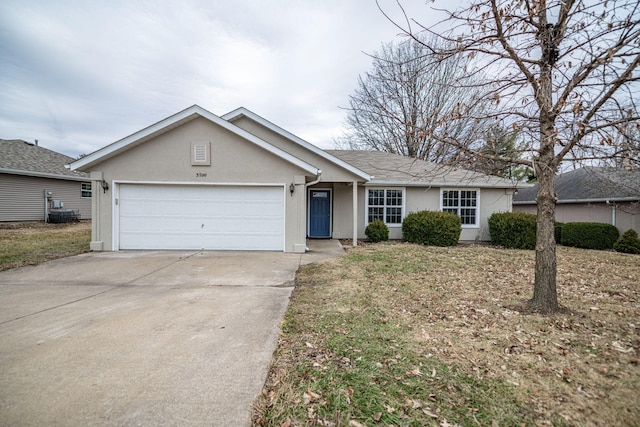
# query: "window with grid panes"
385,205
463,203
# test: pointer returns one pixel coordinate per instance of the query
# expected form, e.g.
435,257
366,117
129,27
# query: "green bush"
557,231
589,235
516,230
377,231
628,243
432,228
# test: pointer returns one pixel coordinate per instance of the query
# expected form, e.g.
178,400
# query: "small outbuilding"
197,181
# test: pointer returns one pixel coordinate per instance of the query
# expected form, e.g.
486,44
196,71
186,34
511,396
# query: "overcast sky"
78,75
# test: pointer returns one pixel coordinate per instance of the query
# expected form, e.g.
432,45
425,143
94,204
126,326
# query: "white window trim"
403,207
82,190
477,190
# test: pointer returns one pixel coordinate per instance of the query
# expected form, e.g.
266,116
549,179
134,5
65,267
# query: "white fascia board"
469,184
242,111
573,201
176,120
45,175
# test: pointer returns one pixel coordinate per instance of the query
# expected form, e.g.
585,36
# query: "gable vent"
200,154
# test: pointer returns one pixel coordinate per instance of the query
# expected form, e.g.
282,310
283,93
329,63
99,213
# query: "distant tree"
501,143
562,77
406,92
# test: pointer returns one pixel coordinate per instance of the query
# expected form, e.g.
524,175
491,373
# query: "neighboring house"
592,194
27,171
238,182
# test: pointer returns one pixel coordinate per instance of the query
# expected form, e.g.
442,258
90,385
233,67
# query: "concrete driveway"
142,338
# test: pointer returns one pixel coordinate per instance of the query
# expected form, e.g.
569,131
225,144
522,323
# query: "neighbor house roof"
590,184
174,121
394,169
19,157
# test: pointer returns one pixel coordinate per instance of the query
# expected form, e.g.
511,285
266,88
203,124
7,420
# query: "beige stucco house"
238,182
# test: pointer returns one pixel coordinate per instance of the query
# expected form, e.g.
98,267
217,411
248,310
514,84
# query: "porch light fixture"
292,188
105,185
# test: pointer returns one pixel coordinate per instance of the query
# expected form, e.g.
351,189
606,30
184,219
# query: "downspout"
314,182
306,187
613,212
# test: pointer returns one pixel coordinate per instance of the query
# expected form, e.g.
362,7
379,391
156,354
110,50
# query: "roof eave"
177,120
574,201
43,175
467,184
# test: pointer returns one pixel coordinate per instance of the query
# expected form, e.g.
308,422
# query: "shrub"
516,230
628,243
557,231
432,228
589,235
377,231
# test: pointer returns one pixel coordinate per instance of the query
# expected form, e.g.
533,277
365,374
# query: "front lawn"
35,242
400,334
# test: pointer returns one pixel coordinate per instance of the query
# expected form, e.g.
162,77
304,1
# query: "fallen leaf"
428,413
308,396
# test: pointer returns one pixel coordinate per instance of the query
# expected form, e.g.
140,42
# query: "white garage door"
201,217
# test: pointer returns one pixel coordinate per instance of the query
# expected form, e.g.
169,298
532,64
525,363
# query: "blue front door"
320,213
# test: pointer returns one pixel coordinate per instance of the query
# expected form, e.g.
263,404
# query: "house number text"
201,175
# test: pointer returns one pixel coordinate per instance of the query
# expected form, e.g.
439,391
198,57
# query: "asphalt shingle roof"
19,155
393,168
590,183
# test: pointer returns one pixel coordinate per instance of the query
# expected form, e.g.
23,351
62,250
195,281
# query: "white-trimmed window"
385,204
85,190
464,203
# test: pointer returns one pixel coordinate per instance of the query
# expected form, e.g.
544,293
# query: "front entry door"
319,213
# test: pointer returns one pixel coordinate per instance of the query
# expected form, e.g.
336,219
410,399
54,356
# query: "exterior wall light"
105,185
292,188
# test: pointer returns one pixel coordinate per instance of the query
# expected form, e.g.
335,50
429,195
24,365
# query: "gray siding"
626,215
22,197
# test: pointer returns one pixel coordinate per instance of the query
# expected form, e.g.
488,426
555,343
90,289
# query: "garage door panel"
201,217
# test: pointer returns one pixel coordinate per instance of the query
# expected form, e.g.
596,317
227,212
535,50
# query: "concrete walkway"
142,338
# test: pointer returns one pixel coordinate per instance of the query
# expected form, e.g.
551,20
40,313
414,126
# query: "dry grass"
35,242
399,334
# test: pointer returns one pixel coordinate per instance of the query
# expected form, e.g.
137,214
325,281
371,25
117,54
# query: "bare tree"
562,76
406,92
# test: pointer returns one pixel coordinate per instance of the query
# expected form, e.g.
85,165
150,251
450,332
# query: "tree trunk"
545,298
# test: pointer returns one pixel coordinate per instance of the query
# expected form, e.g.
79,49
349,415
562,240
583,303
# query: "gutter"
45,175
443,184
314,182
568,201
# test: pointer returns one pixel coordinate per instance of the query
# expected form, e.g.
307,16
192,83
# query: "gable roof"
590,184
19,157
394,169
174,121
326,154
